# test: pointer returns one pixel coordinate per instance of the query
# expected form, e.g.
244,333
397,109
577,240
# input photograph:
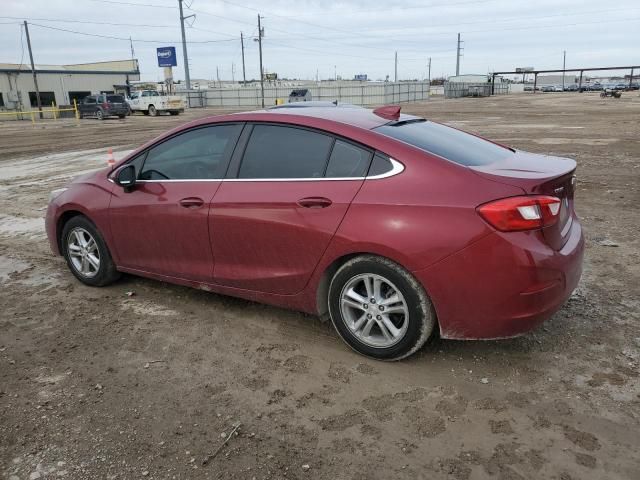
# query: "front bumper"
50,225
503,285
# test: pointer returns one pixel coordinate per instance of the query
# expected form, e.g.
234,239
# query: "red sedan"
394,226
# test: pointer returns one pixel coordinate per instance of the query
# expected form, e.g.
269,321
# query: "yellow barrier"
54,110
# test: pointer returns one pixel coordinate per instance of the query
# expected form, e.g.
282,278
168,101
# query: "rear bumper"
117,111
504,284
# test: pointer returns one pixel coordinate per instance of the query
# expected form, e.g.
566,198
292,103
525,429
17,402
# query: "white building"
554,80
470,78
61,84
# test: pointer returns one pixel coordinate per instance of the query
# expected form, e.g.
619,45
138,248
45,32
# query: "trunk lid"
539,175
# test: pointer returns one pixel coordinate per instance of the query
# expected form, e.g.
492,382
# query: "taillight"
521,213
105,105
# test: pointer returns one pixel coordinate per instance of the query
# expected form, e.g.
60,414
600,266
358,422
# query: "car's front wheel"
379,309
87,254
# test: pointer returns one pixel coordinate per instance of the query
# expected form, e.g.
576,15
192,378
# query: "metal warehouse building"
61,84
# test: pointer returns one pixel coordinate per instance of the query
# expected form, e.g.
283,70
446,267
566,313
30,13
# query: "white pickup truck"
152,103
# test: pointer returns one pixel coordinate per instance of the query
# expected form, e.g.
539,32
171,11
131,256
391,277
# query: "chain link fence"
359,94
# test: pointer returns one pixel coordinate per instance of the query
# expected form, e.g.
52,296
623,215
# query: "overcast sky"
303,37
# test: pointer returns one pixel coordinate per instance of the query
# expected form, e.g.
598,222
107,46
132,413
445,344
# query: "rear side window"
381,164
197,154
347,160
285,152
447,142
115,98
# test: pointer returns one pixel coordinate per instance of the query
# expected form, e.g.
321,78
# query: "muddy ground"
98,384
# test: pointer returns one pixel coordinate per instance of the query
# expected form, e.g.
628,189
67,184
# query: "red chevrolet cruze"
392,225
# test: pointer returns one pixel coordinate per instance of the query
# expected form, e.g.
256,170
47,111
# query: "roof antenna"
389,112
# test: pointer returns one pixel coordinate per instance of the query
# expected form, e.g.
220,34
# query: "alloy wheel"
83,252
374,310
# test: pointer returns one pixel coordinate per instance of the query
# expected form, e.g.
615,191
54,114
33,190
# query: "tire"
100,115
152,111
413,318
77,258
121,116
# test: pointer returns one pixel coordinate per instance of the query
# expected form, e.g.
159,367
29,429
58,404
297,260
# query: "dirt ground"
96,384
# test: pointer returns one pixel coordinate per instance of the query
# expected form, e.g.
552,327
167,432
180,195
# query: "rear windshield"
115,98
447,142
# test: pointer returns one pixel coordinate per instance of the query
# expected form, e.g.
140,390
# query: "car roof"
337,112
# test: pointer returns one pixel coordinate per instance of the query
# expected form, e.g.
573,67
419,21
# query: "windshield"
455,145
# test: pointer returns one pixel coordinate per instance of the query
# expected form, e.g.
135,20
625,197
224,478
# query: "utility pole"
458,57
233,72
131,45
187,78
429,71
396,68
244,75
33,69
260,35
218,76
335,73
564,66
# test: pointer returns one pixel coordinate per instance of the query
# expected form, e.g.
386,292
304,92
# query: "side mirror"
126,177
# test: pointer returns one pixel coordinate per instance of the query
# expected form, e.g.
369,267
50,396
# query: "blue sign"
362,77
167,57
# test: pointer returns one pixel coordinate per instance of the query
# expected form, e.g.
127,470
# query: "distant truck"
152,103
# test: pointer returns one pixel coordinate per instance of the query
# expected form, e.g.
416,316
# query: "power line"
127,38
89,22
152,5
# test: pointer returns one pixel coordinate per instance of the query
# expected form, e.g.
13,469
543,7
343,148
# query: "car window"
90,100
285,152
134,95
115,98
197,154
380,165
347,160
455,145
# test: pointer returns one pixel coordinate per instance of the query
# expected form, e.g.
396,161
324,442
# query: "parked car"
558,88
300,95
103,106
620,86
571,88
548,88
393,226
151,102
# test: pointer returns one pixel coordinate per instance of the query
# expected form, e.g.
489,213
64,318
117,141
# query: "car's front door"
161,225
271,222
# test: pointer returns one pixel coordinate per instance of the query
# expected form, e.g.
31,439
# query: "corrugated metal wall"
359,94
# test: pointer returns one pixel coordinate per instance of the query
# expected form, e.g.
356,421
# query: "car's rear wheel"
100,115
379,309
152,111
87,254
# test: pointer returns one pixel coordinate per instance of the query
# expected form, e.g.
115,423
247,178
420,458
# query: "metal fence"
460,89
358,94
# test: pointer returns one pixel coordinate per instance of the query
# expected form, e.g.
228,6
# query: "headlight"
56,193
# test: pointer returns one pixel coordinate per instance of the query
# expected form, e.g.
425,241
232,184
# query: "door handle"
191,202
314,202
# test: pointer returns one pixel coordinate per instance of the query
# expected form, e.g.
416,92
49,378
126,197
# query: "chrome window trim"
396,169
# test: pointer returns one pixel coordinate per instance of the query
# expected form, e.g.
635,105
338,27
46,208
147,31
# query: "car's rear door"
273,219
161,226
88,105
